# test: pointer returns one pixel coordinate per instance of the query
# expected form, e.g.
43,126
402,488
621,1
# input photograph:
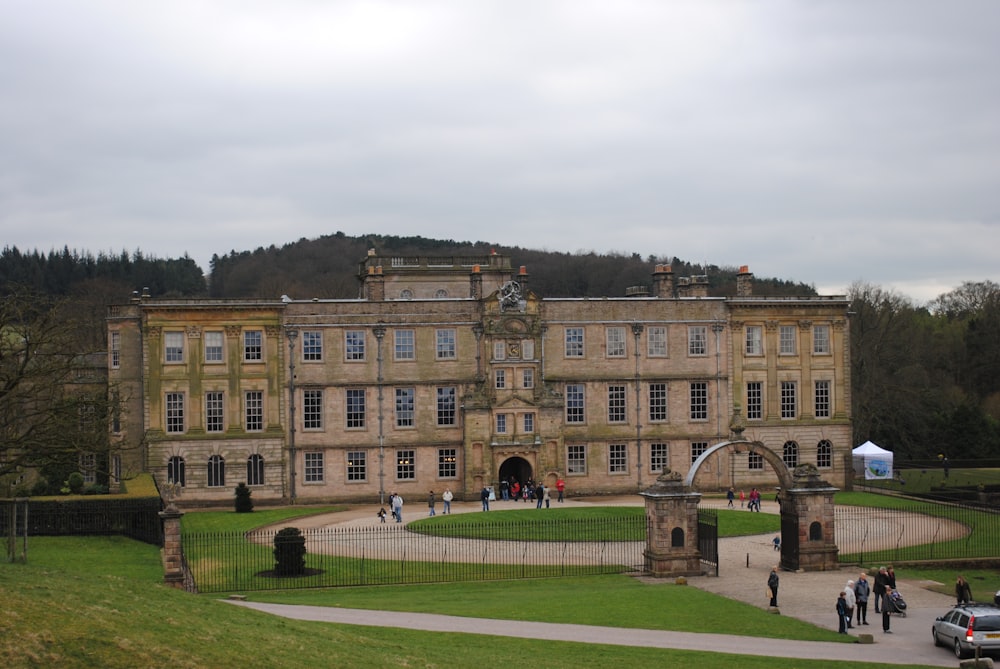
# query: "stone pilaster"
173,565
671,528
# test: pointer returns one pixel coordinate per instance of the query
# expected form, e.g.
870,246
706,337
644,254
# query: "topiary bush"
289,552
243,502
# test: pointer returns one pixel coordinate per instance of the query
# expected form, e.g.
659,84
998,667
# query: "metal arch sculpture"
779,466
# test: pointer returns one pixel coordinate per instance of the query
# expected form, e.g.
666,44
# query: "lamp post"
379,332
291,335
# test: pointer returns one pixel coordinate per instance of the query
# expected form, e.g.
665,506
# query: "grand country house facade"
451,373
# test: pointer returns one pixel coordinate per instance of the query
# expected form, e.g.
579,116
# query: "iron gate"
708,537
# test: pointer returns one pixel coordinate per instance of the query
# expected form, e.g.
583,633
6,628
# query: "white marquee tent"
872,461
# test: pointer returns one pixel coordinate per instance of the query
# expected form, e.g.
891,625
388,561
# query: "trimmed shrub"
289,552
243,502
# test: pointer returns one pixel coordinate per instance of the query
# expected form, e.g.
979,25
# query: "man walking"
397,507
430,503
772,585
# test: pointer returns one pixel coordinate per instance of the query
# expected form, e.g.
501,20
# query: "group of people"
512,489
852,602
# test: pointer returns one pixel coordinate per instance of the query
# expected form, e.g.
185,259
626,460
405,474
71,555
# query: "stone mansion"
449,372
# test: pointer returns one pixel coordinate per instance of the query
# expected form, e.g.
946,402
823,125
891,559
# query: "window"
216,471
404,407
88,467
659,457
528,378
254,410
357,466
312,409
788,399
313,466
821,339
406,465
656,341
116,412
824,454
755,400
405,344
440,294
354,345
529,423
755,461
755,340
500,378
697,448
576,459
616,404
355,408
501,423
253,346
255,470
616,342
312,346
214,412
527,349
445,344
790,454
787,340
175,412
175,470
499,350
116,350
697,340
699,400
446,406
173,343
406,294
447,463
617,459
574,342
213,346
822,399
574,403
657,401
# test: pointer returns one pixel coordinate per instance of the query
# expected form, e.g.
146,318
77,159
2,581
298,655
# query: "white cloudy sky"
820,141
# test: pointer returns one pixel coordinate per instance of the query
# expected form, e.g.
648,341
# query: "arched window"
824,454
406,294
815,531
677,538
175,470
441,293
790,454
216,471
255,470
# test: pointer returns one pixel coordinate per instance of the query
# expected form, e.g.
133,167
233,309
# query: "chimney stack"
744,282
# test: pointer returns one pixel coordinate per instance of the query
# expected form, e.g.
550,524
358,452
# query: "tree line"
925,379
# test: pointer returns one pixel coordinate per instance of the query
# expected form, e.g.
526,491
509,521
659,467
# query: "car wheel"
937,641
959,651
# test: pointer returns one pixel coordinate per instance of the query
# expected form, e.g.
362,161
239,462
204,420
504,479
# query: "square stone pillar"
671,528
173,564
811,501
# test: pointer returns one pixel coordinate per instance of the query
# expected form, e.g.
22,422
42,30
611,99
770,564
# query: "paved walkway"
744,564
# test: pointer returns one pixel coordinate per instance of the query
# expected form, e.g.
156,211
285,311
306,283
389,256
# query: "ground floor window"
314,467
255,470
406,465
175,470
216,471
357,466
447,463
576,459
659,457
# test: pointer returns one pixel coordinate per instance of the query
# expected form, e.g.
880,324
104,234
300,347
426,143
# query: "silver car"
967,627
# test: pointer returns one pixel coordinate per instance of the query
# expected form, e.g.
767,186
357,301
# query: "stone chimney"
522,279
476,283
744,282
699,286
683,286
374,285
663,281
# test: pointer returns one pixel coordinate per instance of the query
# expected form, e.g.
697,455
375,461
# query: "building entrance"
516,469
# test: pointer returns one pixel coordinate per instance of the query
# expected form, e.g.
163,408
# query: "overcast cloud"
821,141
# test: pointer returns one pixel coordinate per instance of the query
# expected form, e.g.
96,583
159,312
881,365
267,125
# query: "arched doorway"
516,468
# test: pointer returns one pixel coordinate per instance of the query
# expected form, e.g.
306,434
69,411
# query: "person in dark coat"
887,608
772,584
862,590
878,588
963,593
842,618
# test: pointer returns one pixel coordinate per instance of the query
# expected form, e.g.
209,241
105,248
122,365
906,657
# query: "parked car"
967,627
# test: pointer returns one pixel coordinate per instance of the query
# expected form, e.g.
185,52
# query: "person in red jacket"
561,487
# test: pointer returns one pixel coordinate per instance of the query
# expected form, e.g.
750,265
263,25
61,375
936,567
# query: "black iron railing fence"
134,518
390,554
916,531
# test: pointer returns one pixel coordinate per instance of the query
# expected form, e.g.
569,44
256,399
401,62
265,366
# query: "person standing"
397,507
730,497
505,490
772,585
539,495
548,498
842,618
850,599
430,503
446,498
560,488
392,507
963,593
881,581
743,498
516,490
381,514
887,608
484,497
861,592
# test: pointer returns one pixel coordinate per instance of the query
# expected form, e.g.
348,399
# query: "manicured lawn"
98,602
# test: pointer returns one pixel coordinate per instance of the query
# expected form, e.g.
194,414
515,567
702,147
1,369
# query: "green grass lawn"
99,602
